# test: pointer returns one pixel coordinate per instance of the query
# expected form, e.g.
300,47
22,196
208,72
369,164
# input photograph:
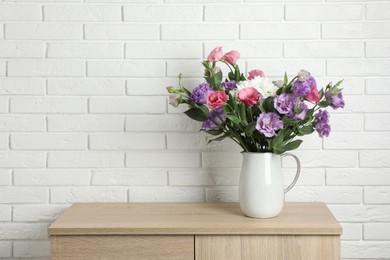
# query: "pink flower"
313,96
216,54
255,73
249,96
231,57
216,99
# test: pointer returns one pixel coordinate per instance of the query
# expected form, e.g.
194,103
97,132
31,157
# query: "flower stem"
226,131
243,145
292,80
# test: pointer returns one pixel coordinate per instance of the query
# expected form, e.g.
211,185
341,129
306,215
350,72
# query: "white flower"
278,83
174,100
265,87
303,75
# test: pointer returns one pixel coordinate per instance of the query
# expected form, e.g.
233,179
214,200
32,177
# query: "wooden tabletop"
191,218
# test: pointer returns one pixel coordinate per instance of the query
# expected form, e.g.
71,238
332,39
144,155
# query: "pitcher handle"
296,174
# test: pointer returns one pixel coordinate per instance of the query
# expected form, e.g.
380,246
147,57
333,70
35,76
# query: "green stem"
238,136
243,145
234,112
292,80
228,66
225,131
252,120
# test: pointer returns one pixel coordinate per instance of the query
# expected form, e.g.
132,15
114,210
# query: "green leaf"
215,132
277,142
232,102
250,129
335,91
171,89
200,113
288,89
209,80
241,126
287,134
292,145
218,79
268,104
325,103
286,121
285,80
205,110
187,92
231,76
227,109
309,114
321,93
296,108
288,147
237,72
207,73
338,83
305,130
206,64
233,118
243,112
218,139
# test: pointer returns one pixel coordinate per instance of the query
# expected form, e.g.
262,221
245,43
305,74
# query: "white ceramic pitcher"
261,184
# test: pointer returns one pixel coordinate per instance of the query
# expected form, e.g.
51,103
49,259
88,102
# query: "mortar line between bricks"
42,13
12,248
203,13
6,68
46,87
365,50
9,142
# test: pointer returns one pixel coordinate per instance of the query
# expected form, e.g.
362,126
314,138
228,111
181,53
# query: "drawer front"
122,247
270,247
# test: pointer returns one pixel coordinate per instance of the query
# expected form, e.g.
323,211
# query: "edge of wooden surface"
63,227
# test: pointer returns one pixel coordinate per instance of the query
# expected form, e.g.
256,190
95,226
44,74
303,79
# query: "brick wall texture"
84,114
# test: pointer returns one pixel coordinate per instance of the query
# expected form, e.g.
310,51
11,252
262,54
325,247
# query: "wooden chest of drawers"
201,231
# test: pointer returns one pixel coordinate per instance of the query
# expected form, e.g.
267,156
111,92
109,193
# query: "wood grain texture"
191,218
122,247
270,247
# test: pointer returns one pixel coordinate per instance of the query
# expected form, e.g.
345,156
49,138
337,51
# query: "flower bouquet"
263,117
258,114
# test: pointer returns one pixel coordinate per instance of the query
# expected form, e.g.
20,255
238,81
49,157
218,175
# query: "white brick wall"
84,115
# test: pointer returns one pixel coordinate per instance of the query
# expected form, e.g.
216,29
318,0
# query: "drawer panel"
122,247
270,247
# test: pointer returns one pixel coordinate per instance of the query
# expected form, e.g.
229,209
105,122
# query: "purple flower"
301,88
322,117
323,129
229,85
337,100
302,107
216,117
200,93
321,123
209,125
284,103
268,124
